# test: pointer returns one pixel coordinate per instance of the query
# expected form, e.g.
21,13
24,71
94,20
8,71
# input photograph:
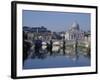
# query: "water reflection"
52,54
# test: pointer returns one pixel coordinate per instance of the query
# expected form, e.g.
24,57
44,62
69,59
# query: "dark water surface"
55,60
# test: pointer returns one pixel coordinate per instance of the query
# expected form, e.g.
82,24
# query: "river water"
58,59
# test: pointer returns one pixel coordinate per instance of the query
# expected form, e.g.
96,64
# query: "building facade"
74,32
33,33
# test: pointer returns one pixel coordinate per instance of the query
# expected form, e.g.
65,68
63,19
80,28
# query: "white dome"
75,26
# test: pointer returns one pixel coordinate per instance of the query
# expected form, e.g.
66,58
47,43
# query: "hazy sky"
55,21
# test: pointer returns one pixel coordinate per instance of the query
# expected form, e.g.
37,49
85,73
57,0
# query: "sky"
55,21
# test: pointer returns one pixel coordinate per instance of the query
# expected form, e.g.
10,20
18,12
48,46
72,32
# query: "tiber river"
57,58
